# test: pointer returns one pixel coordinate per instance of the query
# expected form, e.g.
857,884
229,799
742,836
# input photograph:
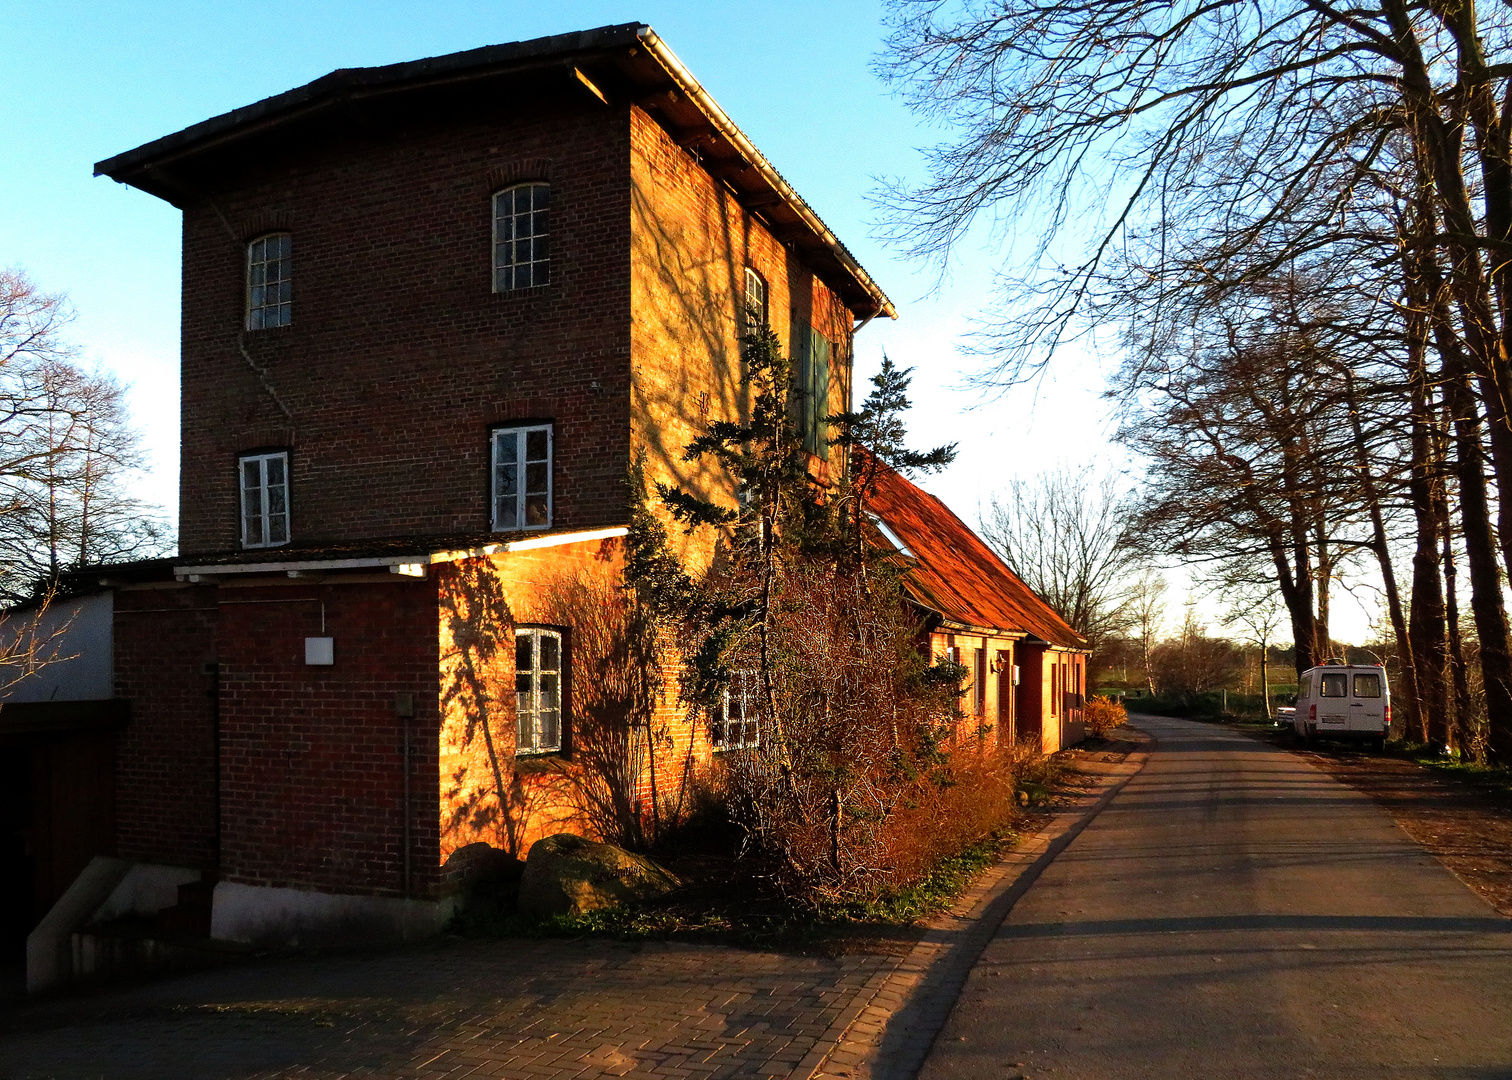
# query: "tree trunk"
1430,511
1461,733
1378,545
1485,572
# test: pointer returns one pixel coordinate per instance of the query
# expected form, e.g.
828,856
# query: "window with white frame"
522,478
269,282
265,499
522,239
538,690
755,301
736,723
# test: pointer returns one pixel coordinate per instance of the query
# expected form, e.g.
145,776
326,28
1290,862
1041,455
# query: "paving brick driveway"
547,1009
455,1008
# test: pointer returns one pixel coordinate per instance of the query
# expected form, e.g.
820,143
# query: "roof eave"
146,166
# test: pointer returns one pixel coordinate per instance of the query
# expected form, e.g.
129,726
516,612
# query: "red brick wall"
312,788
691,243
399,355
165,756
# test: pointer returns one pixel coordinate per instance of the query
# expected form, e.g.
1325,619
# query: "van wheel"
1311,738
1379,743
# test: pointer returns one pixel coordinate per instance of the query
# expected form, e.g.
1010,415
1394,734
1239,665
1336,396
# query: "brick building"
431,313
1026,668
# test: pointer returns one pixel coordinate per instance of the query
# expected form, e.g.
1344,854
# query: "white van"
1344,701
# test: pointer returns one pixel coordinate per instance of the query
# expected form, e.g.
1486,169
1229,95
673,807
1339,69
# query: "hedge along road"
1235,912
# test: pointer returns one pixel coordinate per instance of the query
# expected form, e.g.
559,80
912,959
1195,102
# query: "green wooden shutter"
819,372
802,411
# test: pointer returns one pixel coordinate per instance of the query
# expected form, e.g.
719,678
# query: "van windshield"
1367,686
1335,684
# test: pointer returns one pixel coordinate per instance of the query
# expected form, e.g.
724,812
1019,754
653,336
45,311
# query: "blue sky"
93,79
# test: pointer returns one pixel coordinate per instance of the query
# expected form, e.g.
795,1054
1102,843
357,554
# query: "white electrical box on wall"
1015,674
320,650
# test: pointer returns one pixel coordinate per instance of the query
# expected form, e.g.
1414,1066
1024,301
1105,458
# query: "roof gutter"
406,565
691,87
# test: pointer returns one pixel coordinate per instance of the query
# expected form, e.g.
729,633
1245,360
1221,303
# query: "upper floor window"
522,252
538,690
269,299
755,301
265,499
522,478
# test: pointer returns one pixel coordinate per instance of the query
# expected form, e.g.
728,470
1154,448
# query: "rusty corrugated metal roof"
954,572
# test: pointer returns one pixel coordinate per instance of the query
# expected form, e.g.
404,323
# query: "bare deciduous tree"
1063,533
1217,145
67,448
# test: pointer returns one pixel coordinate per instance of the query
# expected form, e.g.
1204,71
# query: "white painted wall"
76,639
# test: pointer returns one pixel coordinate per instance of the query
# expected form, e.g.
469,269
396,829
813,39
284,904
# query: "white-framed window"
521,237
736,723
269,282
755,301
265,499
539,664
522,478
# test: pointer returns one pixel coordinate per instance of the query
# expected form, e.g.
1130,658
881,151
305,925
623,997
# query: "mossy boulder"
568,875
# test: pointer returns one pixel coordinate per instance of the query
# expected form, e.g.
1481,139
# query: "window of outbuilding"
264,499
522,477
521,237
269,282
539,665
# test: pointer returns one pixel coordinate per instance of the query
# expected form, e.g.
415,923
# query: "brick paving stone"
512,1010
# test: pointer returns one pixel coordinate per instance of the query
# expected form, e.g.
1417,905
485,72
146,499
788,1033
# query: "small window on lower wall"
264,499
539,664
736,725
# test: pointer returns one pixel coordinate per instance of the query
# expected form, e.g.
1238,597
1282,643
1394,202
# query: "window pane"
525,651
253,528
507,476
276,471
1367,685
278,528
551,658
551,730
1335,684
525,725
535,478
550,690
535,511
507,513
535,446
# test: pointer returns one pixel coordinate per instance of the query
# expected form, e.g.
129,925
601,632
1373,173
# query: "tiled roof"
954,572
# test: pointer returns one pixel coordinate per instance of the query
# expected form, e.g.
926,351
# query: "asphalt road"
1235,912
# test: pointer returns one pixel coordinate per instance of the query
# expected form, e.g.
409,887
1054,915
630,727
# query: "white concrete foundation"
281,917
146,889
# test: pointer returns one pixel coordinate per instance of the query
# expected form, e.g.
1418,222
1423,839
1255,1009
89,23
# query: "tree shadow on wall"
477,664
615,685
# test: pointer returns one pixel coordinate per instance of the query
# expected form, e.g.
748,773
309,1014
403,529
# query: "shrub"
1103,715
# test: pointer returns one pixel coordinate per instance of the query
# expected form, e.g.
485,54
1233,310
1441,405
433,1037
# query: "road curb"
890,1026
